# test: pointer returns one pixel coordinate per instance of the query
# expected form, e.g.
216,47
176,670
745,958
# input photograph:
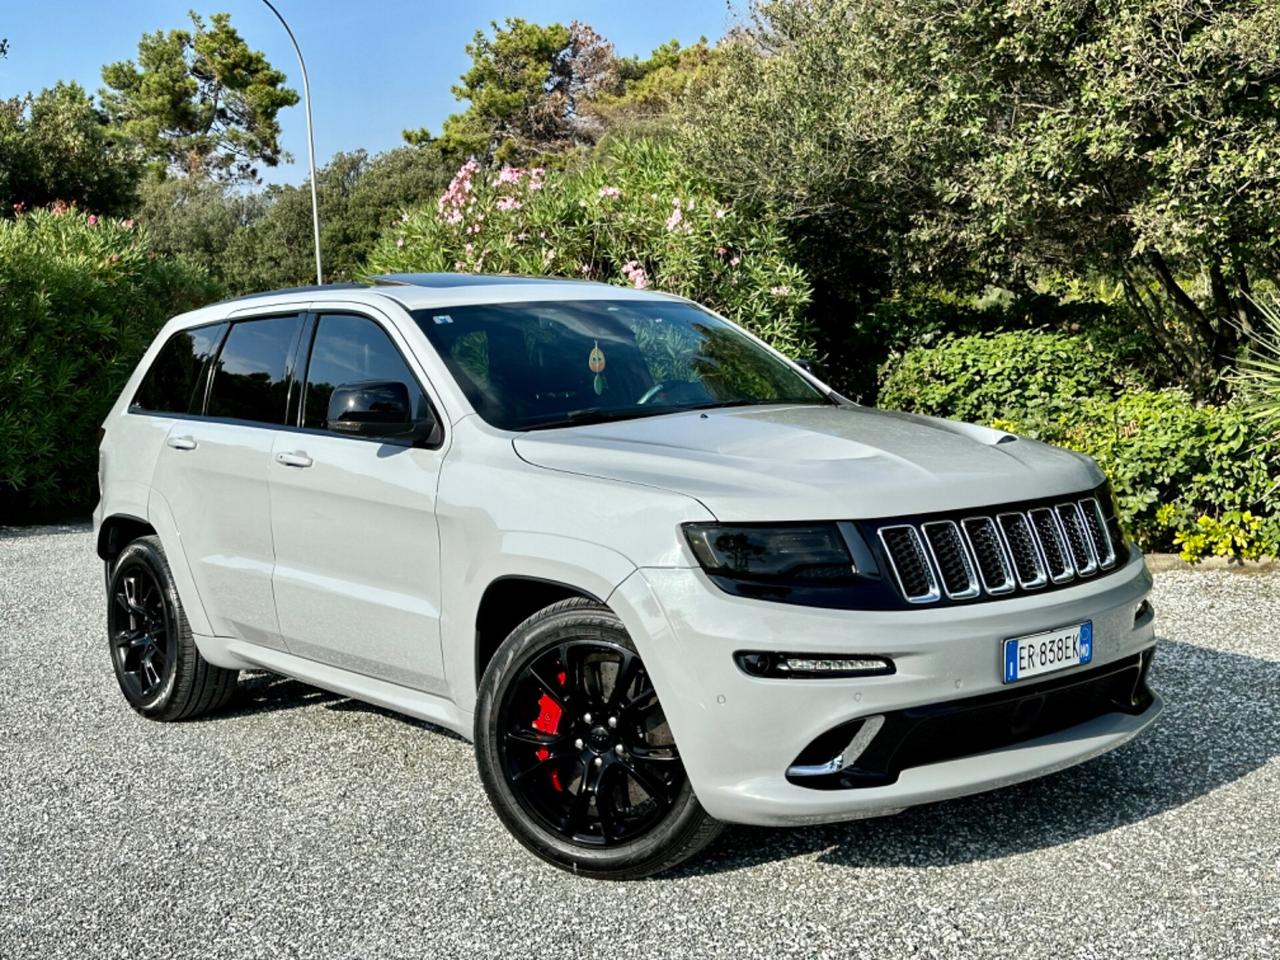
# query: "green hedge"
1198,478
80,299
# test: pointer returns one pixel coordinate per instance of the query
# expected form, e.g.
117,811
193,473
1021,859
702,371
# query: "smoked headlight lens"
782,552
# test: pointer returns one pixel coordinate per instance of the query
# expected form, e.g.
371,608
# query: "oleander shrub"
80,299
633,216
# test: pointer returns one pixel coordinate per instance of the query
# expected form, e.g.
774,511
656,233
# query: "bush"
81,298
1016,375
1185,474
632,217
1194,477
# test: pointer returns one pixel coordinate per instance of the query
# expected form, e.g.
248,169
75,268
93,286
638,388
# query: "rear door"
212,475
357,574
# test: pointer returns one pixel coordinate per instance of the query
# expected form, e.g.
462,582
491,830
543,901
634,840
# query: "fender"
160,516
586,567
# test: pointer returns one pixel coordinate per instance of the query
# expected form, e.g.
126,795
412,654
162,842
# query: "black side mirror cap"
378,409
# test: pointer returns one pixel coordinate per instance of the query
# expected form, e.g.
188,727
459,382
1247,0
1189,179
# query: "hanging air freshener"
596,364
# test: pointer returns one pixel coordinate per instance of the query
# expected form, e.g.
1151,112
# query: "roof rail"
314,288
446,280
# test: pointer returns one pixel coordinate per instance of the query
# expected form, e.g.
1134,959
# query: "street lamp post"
311,144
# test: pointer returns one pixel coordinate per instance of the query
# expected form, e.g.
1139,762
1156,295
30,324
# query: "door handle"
294,459
181,443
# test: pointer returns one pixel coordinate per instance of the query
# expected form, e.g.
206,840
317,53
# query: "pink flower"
585,268
114,258
473,228
721,214
19,207
128,224
780,291
674,220
93,219
734,261
721,251
509,174
509,203
399,242
548,255
608,193
635,273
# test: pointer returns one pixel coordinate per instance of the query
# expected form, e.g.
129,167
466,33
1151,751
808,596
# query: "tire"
156,662
602,797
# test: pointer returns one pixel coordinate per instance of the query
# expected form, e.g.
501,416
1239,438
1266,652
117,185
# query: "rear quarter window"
175,380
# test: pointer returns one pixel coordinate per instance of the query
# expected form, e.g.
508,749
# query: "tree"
55,146
523,91
199,101
1021,144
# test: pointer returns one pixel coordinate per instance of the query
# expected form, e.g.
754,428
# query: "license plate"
1046,652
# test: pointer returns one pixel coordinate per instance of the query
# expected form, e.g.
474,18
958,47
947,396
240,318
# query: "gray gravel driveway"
300,824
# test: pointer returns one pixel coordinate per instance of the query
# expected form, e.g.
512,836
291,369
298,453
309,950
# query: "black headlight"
785,553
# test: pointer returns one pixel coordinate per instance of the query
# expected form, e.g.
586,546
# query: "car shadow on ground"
263,692
1219,724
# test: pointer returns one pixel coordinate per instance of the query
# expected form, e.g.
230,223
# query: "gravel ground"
300,824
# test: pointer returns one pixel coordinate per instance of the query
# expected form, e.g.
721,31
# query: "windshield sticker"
442,318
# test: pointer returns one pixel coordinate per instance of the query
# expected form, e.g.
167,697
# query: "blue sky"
376,66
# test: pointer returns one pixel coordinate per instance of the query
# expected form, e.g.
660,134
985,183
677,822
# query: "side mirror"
803,364
378,409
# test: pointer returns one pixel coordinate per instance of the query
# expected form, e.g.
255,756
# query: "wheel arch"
118,531
507,602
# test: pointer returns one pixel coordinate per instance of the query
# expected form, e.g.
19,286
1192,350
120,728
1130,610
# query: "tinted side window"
250,378
348,349
172,384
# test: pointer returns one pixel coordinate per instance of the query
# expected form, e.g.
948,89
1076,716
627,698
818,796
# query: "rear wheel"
575,751
157,664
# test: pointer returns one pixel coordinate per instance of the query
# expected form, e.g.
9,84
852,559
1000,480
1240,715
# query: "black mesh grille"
1026,561
909,561
1077,539
954,566
997,576
1098,531
1051,544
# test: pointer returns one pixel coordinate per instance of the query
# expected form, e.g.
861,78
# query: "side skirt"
227,652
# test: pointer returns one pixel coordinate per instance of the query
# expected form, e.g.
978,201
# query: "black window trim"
303,343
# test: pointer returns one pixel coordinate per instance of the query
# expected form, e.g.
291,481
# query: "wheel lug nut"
599,761
586,718
619,750
577,744
613,723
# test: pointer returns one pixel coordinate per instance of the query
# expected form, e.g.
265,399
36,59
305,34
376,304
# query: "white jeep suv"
662,576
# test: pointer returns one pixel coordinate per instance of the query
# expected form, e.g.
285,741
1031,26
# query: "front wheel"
575,752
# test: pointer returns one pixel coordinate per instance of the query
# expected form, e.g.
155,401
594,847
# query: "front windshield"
526,366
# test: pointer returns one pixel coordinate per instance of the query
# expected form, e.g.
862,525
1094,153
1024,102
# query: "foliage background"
1060,218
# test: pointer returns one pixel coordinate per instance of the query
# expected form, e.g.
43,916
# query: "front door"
357,571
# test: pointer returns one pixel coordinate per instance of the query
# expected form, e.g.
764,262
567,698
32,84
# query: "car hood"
811,462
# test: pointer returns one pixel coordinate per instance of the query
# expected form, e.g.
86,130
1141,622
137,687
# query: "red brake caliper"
548,721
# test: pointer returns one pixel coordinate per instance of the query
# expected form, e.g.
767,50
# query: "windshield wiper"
589,415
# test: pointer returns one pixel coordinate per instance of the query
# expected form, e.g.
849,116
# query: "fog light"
810,666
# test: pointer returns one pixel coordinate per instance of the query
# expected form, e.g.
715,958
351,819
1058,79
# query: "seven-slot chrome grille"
997,553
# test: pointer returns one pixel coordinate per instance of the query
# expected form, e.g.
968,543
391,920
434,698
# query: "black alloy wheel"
585,744
576,753
141,631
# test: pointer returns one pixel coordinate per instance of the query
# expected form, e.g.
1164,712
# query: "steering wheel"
662,386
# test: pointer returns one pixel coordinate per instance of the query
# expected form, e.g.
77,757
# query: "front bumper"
739,734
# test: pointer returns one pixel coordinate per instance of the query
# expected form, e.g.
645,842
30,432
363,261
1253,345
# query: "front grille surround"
998,552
